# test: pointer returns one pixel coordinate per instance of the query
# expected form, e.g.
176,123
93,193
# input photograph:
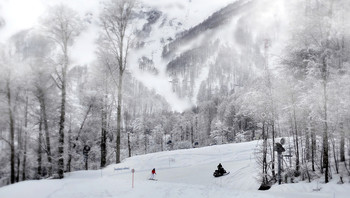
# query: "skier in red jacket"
153,173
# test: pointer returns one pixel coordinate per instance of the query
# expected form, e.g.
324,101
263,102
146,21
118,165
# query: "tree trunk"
12,132
307,145
325,132
46,128
119,110
39,171
321,162
192,140
69,160
146,140
349,151
253,131
297,160
336,163
162,142
342,142
265,181
19,150
325,147
60,168
24,158
129,145
103,132
25,140
313,145
273,152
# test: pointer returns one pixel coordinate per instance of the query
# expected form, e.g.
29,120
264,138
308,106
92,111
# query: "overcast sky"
19,14
24,14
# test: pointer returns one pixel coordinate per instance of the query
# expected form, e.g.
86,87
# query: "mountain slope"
229,43
216,20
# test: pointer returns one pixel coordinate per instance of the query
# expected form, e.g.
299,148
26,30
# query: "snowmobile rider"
220,169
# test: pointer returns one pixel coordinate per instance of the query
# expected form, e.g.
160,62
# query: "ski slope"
180,173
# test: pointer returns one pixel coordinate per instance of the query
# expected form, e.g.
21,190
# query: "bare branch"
54,80
5,140
85,117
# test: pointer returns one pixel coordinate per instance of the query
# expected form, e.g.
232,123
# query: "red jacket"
153,171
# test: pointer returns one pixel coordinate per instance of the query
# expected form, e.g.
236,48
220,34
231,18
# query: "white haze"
19,15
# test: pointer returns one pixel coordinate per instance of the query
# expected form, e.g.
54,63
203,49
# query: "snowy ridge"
216,20
180,173
239,29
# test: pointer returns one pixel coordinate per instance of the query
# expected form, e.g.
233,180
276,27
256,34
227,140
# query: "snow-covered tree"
62,25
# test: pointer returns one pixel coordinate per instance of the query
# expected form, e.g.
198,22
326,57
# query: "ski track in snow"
189,174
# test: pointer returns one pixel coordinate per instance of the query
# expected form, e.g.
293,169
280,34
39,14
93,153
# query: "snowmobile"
220,172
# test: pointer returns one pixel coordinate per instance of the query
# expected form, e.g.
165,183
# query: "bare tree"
7,90
43,114
115,20
25,138
12,131
39,153
63,26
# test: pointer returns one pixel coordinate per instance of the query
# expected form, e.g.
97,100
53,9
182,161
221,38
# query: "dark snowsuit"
220,169
220,172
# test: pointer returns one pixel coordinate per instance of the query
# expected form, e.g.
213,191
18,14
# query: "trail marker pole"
133,171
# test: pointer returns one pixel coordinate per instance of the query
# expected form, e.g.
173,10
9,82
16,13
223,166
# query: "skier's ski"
153,179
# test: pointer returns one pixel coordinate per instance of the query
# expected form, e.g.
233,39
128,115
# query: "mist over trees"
57,116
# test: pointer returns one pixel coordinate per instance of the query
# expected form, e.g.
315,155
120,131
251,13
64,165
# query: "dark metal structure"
279,148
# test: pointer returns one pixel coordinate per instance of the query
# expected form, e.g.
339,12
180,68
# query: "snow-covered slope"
181,173
183,46
174,18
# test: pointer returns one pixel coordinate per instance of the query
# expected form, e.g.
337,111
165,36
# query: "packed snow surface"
180,173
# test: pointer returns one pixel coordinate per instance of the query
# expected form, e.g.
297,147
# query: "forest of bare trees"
57,116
